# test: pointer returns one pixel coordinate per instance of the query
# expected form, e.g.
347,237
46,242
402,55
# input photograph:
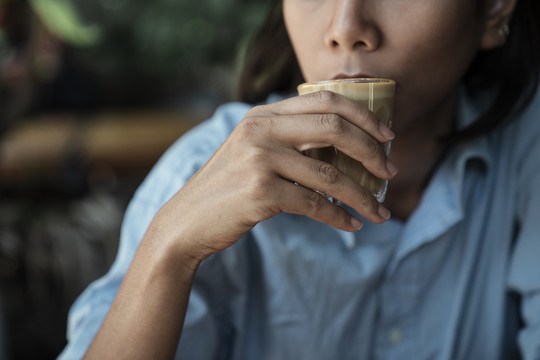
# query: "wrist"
172,245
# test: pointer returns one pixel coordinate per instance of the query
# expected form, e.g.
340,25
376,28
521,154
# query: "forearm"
146,318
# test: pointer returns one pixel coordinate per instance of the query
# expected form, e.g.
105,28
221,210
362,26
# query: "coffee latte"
378,96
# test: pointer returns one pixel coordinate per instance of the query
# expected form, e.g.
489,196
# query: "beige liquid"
378,96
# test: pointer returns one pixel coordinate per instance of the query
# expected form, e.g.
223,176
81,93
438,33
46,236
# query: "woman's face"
426,46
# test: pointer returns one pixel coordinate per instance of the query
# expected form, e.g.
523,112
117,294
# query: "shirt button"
396,335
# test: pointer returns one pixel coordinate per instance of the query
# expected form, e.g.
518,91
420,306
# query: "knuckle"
373,148
339,217
324,97
328,173
367,119
366,114
255,157
251,126
315,202
259,186
255,111
332,124
367,199
369,203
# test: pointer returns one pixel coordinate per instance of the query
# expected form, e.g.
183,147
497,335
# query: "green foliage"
62,20
168,38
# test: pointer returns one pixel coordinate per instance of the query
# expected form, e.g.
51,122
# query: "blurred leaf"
167,39
61,19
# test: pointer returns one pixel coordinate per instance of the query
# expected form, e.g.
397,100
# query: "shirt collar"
469,111
441,205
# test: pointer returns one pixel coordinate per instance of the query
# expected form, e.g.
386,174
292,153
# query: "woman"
228,216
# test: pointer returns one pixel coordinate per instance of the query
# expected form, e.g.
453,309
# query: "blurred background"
91,93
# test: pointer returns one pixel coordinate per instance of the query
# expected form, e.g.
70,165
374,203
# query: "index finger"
333,103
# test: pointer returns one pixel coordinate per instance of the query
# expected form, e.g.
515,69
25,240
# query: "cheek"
443,60
436,53
294,27
441,38
306,35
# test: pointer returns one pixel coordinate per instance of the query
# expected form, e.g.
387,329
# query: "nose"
351,27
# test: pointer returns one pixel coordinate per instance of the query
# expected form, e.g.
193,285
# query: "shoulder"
528,124
515,145
523,135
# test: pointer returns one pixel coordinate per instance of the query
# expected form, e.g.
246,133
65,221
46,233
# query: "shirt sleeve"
524,275
171,172
89,310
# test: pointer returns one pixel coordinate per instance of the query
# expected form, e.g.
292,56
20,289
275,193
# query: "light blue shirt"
437,286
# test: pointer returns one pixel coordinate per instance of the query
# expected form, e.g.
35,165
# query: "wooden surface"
118,142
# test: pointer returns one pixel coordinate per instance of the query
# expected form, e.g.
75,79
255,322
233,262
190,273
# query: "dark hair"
271,66
512,70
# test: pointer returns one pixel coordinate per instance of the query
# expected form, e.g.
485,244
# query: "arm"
252,177
147,315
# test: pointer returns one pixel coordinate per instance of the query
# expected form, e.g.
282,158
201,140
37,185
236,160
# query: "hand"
260,171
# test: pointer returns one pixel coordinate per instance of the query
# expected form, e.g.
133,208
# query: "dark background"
91,93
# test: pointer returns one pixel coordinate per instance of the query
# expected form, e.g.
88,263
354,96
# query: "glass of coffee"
378,96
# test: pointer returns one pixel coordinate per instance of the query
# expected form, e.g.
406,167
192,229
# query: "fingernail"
392,169
384,212
357,224
386,132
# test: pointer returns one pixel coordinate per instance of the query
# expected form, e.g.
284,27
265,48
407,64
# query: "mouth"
351,76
